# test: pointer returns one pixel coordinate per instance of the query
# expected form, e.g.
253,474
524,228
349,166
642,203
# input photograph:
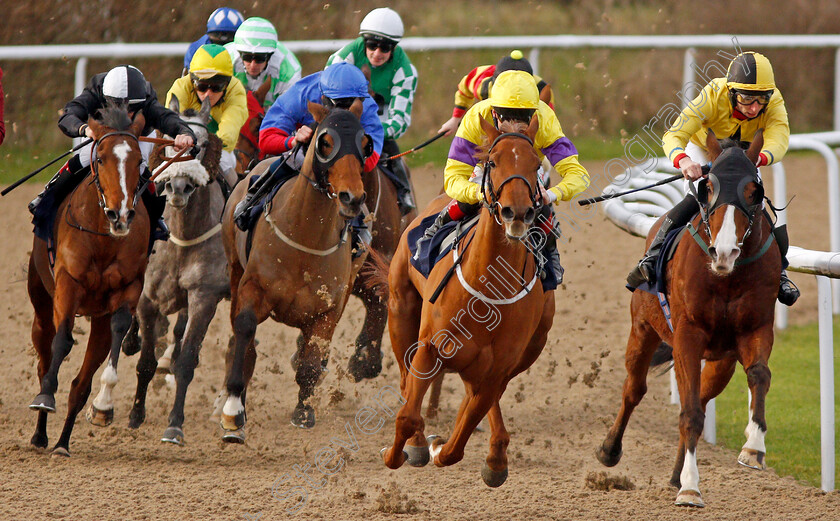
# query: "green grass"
793,405
15,162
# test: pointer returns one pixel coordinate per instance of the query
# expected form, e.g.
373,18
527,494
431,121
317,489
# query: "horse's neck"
202,211
305,210
83,203
493,251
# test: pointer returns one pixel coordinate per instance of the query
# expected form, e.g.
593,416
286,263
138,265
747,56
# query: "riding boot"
361,236
552,259
242,211
677,217
62,183
404,199
155,206
788,292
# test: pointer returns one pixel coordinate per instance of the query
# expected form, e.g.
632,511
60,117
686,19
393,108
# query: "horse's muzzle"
118,221
350,206
517,220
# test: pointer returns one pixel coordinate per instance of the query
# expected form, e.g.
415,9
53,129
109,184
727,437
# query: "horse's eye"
491,164
98,160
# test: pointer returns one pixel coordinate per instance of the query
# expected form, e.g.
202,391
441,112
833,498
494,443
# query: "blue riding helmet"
343,80
224,20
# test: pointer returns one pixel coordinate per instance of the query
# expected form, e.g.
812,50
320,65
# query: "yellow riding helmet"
515,90
211,60
750,71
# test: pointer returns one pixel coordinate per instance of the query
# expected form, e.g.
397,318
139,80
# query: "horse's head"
337,155
181,179
116,161
510,184
731,197
247,150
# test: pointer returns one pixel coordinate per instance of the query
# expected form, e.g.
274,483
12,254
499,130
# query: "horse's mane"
483,151
114,116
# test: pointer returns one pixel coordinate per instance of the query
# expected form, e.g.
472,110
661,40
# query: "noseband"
94,162
493,204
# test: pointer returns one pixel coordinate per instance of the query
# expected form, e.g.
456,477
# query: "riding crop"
32,174
418,147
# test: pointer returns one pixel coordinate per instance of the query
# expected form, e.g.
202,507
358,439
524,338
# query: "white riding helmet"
384,23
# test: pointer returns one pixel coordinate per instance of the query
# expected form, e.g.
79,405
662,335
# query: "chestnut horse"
101,252
487,332
722,286
247,150
299,270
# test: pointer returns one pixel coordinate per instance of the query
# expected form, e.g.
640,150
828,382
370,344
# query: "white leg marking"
755,437
104,401
690,476
233,406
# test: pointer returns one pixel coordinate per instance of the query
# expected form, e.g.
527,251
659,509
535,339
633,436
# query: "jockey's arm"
776,134
235,114
561,153
403,86
77,111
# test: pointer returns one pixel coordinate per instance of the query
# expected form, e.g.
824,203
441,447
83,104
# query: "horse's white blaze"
121,151
726,244
755,437
233,406
104,401
690,476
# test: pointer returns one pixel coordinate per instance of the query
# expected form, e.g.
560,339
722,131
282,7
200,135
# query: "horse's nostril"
530,215
111,215
712,251
507,213
344,197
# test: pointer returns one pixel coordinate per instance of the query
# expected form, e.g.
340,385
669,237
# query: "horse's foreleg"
146,318
495,469
101,411
409,423
97,351
65,303
312,358
366,361
173,350
43,332
755,353
688,347
202,307
640,349
434,397
473,409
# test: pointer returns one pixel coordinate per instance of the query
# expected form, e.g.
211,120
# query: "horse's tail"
375,273
663,354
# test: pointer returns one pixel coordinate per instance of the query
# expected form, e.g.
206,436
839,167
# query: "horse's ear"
366,71
262,92
319,112
357,107
204,113
175,105
489,130
756,146
138,124
95,126
533,127
713,145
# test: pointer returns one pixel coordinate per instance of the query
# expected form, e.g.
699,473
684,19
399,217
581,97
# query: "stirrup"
788,292
642,273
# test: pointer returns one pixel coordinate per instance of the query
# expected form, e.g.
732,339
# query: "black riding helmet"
125,84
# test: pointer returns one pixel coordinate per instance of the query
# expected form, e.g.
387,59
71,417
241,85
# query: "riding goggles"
259,57
763,98
341,103
383,45
203,86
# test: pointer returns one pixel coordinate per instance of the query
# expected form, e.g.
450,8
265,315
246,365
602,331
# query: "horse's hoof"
99,418
364,364
232,423
384,450
236,436
303,417
689,498
60,451
417,456
174,435
136,418
493,478
608,458
43,402
752,458
39,441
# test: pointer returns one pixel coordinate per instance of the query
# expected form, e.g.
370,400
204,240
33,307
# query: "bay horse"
188,273
247,149
488,324
722,286
300,269
101,252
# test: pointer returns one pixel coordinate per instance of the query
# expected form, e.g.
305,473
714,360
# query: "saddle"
434,249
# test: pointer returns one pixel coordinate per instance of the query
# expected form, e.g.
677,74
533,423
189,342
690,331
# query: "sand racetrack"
557,415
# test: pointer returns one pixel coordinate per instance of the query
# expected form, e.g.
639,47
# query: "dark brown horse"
299,269
247,150
490,321
722,286
101,242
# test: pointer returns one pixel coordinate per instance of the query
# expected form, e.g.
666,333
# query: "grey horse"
187,274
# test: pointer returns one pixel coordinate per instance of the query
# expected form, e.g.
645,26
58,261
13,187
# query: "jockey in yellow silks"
735,107
514,96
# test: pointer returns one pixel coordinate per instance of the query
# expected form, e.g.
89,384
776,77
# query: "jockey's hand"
183,141
450,126
303,134
691,170
89,133
547,197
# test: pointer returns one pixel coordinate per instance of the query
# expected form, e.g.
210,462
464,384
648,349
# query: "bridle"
707,208
492,194
95,161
